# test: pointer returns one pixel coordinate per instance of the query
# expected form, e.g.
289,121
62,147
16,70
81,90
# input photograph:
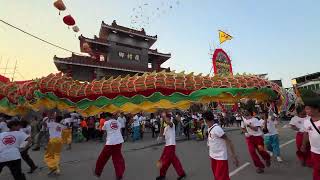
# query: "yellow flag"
224,37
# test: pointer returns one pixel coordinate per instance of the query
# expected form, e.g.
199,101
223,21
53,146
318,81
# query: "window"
150,65
317,86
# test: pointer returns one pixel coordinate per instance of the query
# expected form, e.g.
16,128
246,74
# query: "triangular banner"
223,37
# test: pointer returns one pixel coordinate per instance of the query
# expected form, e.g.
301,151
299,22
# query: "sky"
278,37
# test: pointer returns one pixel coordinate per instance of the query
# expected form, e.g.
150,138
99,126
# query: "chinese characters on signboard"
129,56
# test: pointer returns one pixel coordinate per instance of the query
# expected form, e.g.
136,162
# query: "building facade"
117,50
310,81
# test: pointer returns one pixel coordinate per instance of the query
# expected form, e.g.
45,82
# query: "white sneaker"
279,159
270,153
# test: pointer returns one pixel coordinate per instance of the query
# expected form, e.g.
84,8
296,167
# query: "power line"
36,37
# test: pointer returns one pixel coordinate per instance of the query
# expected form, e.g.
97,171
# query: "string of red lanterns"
68,19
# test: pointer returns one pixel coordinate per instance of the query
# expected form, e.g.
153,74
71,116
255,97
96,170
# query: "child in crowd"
271,136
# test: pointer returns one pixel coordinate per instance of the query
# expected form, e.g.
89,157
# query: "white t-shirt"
3,127
299,122
238,117
10,142
26,130
253,122
195,117
55,129
137,121
170,135
67,122
74,115
122,121
314,136
44,120
271,125
113,129
217,145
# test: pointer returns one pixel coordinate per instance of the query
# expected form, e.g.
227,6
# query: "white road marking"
287,143
247,163
239,169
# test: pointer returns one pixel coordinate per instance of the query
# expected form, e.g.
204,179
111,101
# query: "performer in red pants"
312,129
255,142
297,124
169,156
112,148
218,142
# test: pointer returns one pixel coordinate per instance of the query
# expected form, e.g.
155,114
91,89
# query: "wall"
141,50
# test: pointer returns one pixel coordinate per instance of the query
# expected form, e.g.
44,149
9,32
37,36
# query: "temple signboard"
129,56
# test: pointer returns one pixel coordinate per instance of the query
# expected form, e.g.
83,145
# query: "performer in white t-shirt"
10,144
218,143
255,142
312,129
297,124
53,153
169,156
112,148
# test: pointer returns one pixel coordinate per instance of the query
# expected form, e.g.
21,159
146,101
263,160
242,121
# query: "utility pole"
14,70
5,69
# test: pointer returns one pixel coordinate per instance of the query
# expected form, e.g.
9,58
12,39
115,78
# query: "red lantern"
68,20
59,5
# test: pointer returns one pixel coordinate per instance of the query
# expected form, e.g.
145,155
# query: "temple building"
117,50
309,81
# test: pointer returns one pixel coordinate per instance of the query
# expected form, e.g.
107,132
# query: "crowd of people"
53,130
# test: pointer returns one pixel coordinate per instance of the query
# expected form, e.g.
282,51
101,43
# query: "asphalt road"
141,158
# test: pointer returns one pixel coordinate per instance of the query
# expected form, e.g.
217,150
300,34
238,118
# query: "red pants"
117,158
220,169
316,165
169,157
256,143
304,157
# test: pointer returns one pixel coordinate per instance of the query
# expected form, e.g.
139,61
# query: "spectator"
43,134
122,120
3,125
155,125
136,127
26,128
